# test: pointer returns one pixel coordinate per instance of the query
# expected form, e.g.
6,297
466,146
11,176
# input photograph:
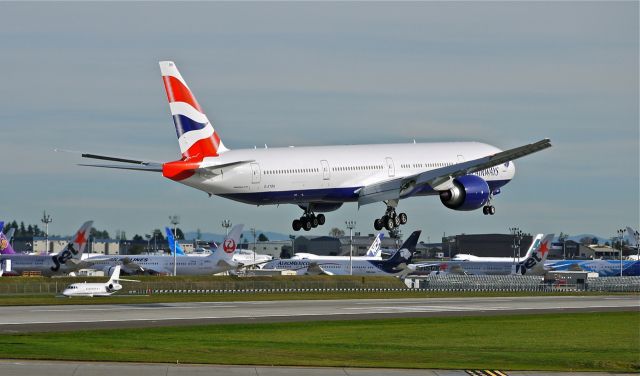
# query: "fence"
332,284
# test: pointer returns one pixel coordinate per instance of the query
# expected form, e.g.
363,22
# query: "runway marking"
123,309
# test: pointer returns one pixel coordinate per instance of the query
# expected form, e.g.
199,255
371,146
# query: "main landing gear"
308,221
488,210
390,219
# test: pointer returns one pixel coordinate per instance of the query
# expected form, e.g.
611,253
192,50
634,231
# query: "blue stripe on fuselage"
328,195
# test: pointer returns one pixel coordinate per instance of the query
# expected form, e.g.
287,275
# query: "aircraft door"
390,168
326,172
255,173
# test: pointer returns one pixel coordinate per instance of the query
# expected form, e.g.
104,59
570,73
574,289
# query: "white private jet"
97,289
465,175
373,253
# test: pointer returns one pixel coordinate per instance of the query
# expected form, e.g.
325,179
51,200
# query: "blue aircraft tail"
402,257
173,245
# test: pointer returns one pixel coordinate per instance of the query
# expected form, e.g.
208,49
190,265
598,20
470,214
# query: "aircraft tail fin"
173,245
229,245
406,251
196,136
534,264
375,249
535,243
115,275
5,245
80,239
633,237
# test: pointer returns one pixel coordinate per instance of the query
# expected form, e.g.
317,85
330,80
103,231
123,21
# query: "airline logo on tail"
537,258
74,249
196,135
374,250
173,245
229,246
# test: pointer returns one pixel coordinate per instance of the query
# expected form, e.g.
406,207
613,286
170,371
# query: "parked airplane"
246,257
533,263
143,264
373,253
605,268
173,244
97,289
395,265
465,175
472,258
62,263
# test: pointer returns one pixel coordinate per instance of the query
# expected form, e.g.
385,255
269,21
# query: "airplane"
217,262
532,264
249,258
97,289
64,262
464,175
396,265
173,244
472,258
604,268
373,253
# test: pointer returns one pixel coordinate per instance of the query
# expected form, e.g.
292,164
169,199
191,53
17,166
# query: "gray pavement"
70,368
74,317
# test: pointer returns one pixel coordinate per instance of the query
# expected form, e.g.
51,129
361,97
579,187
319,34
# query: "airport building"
486,245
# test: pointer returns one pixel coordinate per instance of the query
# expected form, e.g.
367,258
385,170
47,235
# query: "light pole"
46,219
293,245
226,224
174,219
620,236
350,225
517,234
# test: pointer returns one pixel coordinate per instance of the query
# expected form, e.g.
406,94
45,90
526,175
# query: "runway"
70,368
18,319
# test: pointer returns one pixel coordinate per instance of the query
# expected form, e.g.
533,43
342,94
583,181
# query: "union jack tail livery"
196,135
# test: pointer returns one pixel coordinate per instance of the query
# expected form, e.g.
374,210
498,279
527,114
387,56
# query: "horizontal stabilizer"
152,168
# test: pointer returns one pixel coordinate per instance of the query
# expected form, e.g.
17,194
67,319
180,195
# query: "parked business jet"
532,264
395,265
219,261
465,175
472,258
373,253
97,289
64,262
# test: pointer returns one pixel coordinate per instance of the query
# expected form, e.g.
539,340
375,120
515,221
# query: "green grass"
29,300
559,342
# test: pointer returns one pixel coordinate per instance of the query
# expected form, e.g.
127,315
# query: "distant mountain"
212,237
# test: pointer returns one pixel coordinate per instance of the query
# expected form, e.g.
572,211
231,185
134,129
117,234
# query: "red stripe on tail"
177,92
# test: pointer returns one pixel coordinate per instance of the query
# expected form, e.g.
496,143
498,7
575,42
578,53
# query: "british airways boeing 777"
465,175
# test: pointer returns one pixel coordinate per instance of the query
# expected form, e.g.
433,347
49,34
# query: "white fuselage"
336,267
163,264
87,289
333,174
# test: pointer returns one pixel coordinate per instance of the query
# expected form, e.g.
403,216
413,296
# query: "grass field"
562,342
26,300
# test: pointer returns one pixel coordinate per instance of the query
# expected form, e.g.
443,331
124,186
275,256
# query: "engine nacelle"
114,287
470,192
323,207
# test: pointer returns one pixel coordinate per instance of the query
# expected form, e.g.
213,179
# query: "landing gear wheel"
377,224
296,225
492,210
396,221
403,218
314,221
389,223
485,210
306,224
321,219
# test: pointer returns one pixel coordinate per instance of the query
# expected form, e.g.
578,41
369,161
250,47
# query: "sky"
85,77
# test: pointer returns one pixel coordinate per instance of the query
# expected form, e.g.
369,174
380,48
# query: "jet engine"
114,287
469,192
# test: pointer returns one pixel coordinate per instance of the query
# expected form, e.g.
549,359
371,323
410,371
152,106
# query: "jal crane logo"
229,246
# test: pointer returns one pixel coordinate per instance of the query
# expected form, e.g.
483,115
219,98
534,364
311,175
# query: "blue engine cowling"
470,192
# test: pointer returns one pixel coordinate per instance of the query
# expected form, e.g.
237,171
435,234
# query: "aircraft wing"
314,268
442,178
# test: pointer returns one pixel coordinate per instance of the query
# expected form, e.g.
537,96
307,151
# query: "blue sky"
85,77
